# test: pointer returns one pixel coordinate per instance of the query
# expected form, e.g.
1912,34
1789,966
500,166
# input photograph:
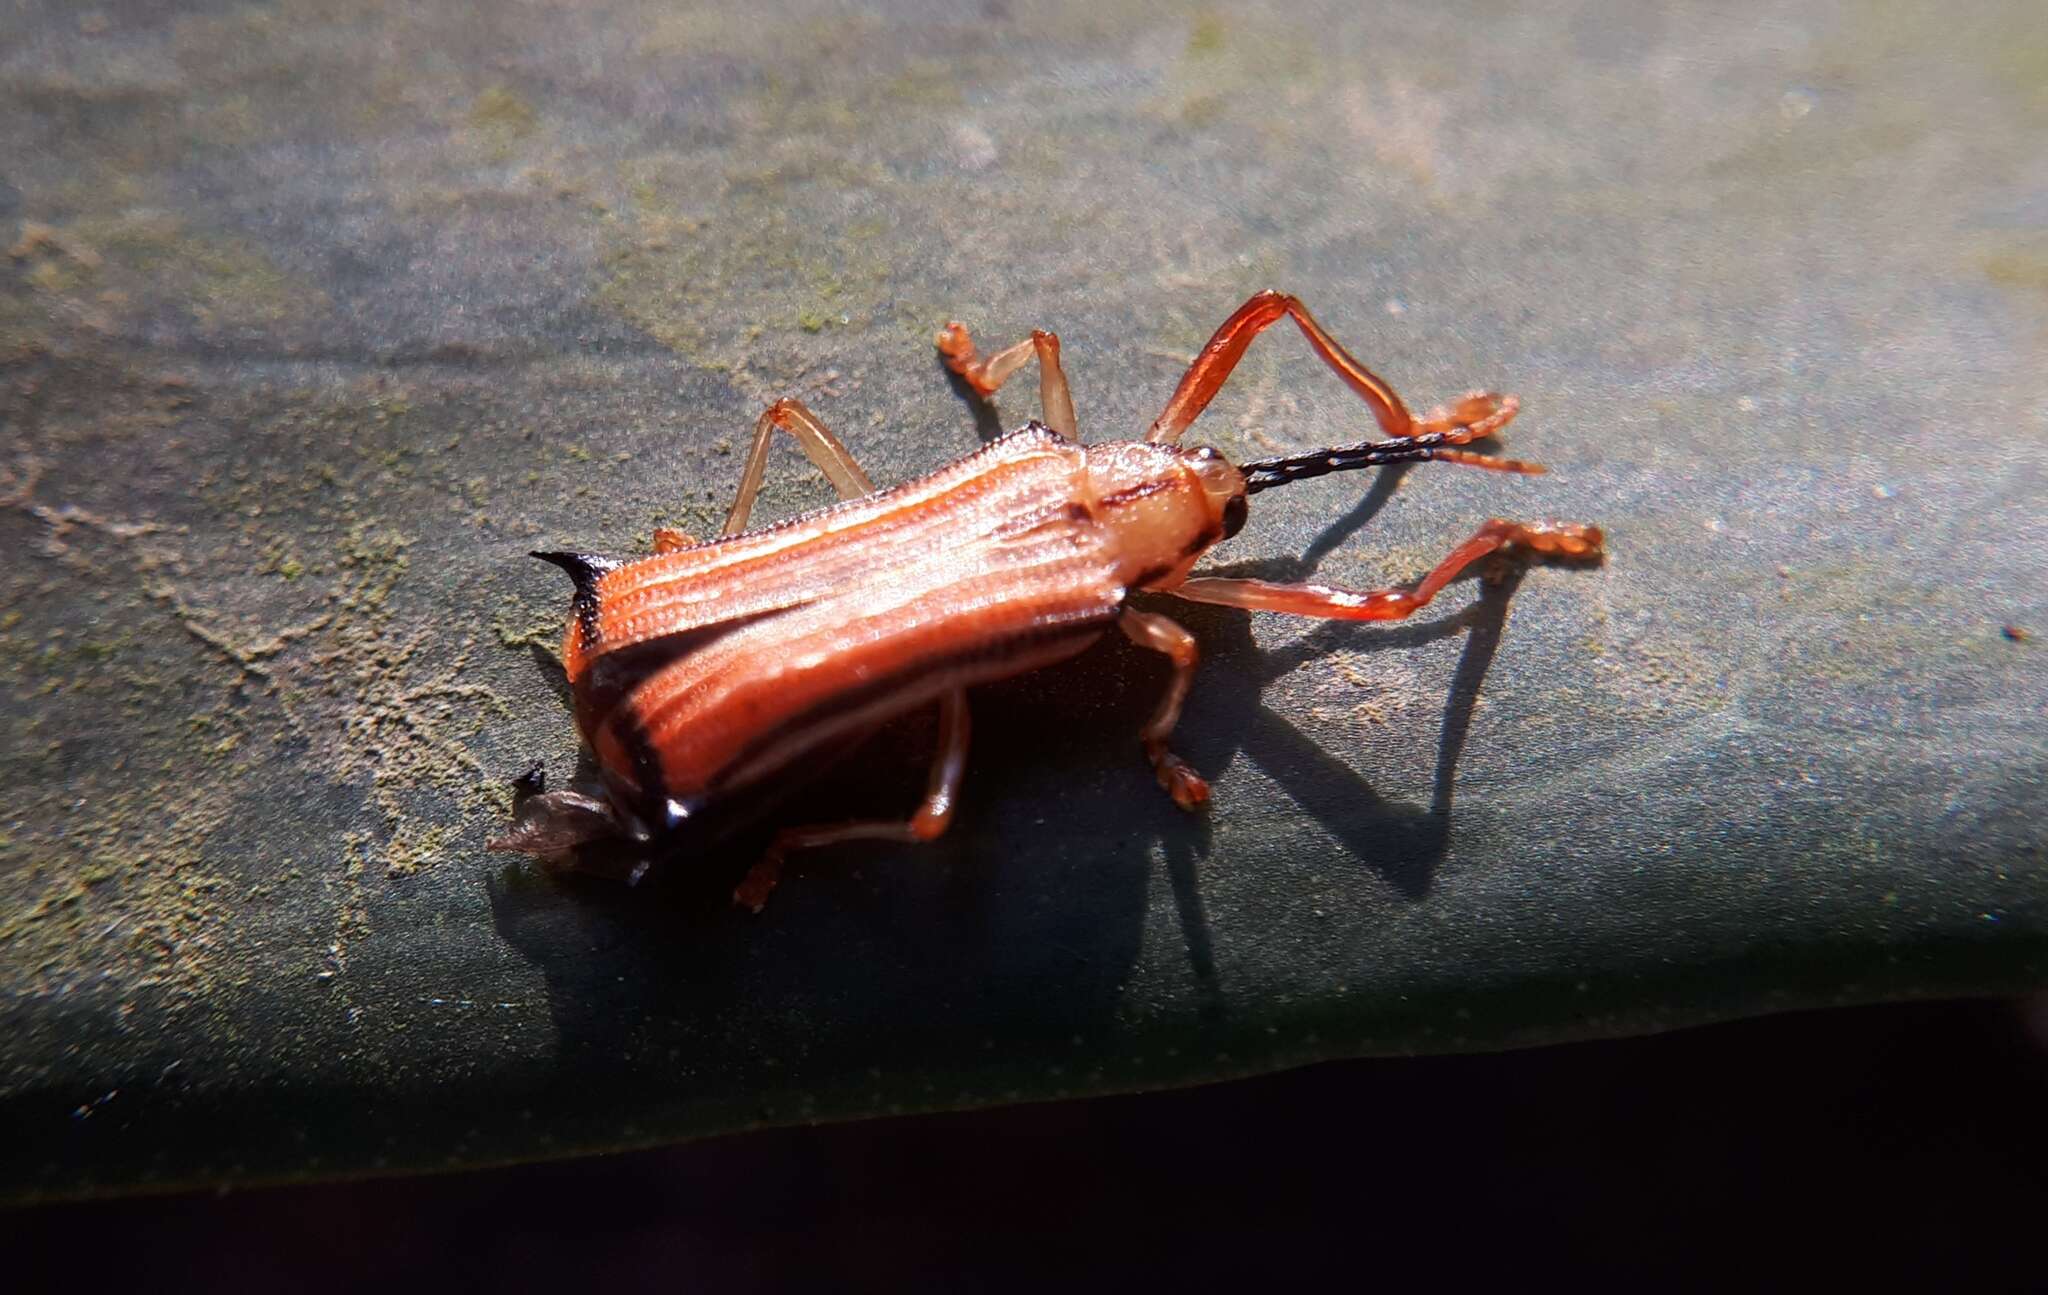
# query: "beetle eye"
1234,514
1208,454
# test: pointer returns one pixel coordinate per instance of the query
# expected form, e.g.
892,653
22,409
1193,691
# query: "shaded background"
1893,1147
315,318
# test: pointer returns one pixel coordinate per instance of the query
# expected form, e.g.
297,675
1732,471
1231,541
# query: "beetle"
705,674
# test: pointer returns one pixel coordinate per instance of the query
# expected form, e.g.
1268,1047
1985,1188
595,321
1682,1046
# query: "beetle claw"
1189,789
753,891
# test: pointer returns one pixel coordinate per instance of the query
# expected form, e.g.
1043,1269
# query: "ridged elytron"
703,675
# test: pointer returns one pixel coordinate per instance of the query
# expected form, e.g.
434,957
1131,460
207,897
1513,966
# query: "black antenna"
1264,474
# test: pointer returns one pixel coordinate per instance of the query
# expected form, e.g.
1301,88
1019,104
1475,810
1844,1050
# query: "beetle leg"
667,539
985,375
930,821
819,444
1162,635
1482,411
1568,540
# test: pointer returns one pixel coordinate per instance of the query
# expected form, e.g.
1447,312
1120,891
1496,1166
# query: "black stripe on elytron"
609,676
612,676
1082,626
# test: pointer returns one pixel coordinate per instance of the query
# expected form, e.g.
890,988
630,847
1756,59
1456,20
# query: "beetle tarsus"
753,891
667,539
1189,789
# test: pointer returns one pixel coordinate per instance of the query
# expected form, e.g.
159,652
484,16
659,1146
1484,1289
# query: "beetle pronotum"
703,673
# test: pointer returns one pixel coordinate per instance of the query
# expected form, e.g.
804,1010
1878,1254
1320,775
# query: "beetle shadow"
1020,928
1385,482
1183,848
557,679
1401,841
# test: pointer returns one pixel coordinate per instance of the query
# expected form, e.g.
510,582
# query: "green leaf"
299,305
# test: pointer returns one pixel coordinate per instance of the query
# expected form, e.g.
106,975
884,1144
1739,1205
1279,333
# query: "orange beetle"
704,673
